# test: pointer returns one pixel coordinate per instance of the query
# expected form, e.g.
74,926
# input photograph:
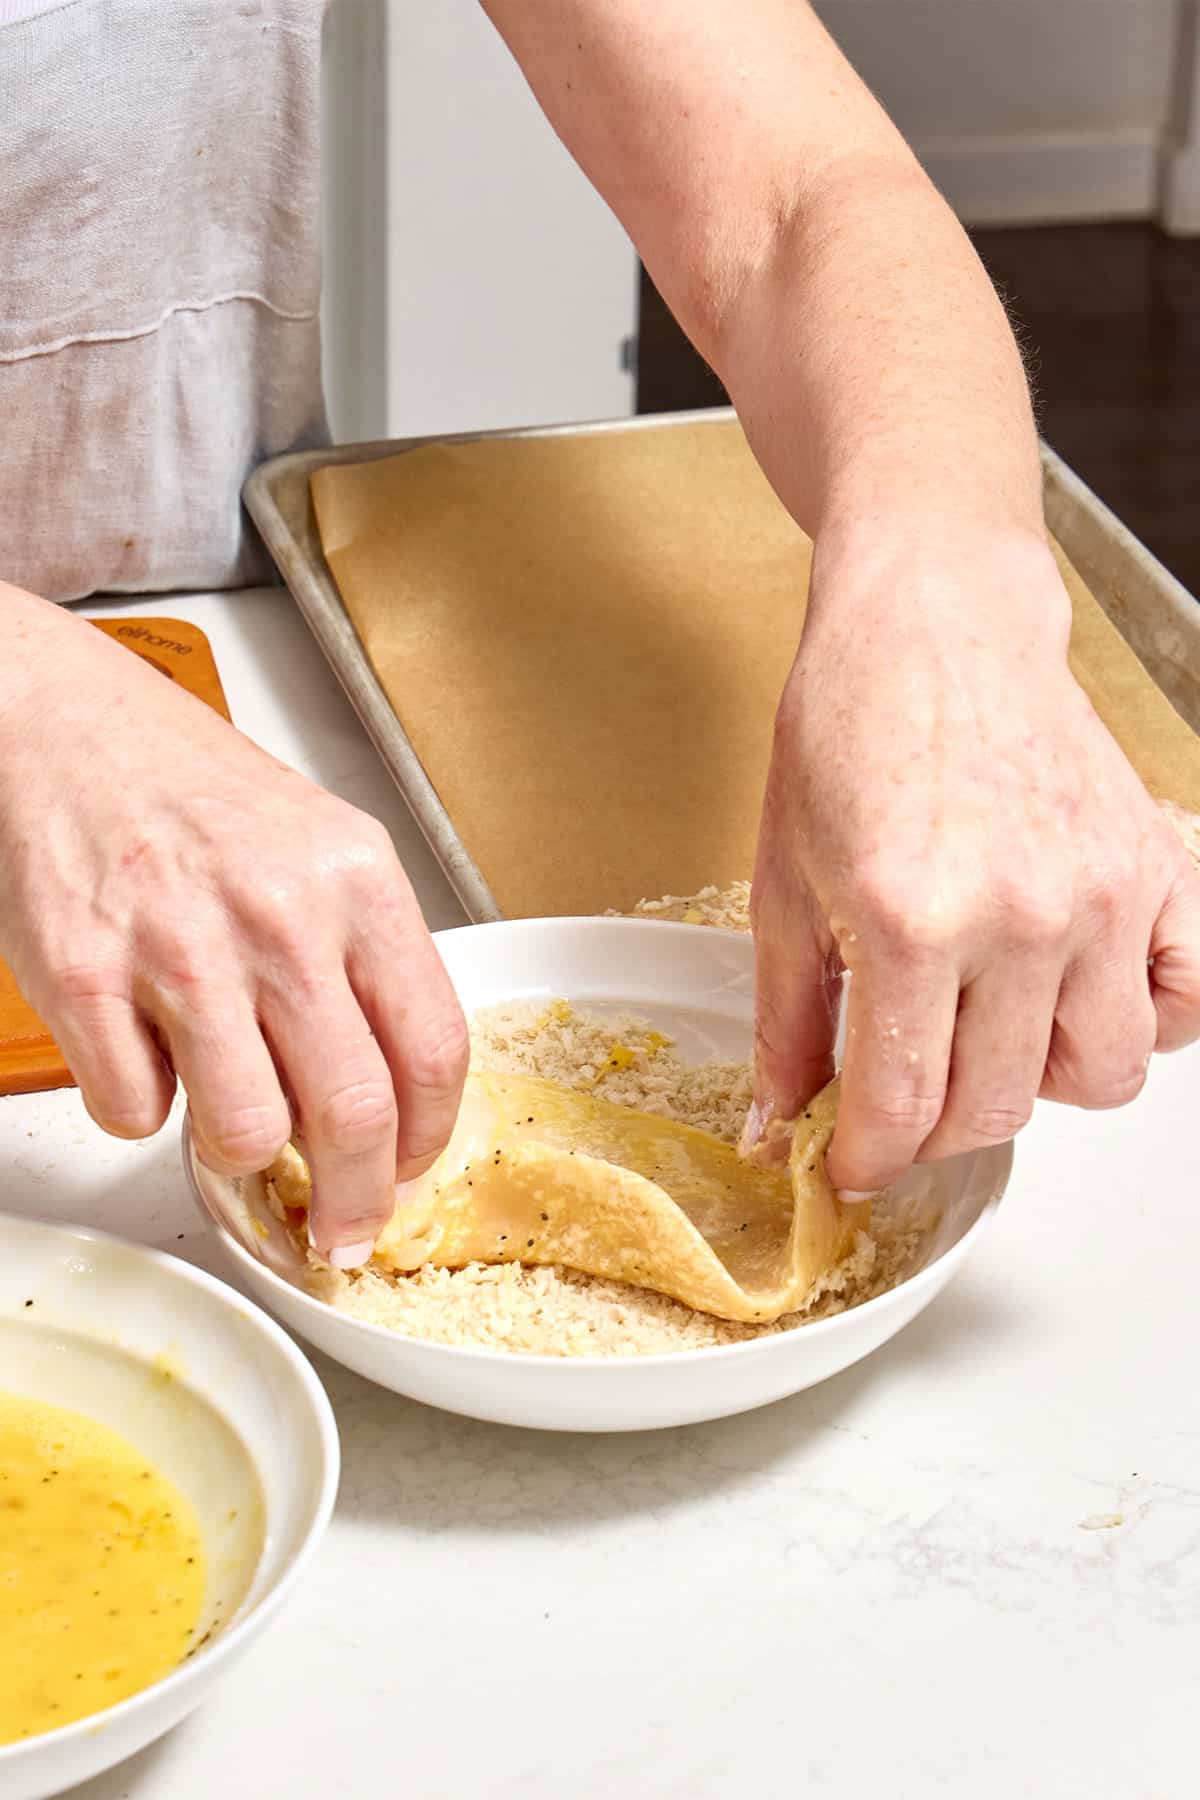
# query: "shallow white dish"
219,1398
697,984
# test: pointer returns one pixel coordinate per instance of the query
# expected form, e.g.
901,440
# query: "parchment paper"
586,637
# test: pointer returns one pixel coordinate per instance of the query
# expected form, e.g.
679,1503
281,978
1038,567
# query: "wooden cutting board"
30,1060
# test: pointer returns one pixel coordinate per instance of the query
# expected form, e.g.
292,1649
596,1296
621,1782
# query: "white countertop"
883,1587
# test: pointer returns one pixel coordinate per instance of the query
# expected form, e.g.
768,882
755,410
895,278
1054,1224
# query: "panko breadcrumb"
552,1311
726,909
559,1312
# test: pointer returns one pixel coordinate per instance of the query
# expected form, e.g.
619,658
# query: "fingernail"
351,1256
853,1196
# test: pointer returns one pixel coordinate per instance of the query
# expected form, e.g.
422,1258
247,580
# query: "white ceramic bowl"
696,984
219,1398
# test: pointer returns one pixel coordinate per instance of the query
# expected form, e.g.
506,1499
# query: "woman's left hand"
947,818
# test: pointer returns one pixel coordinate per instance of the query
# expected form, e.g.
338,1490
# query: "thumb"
797,990
1175,965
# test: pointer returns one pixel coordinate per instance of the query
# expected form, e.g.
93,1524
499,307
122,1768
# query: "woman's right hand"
175,902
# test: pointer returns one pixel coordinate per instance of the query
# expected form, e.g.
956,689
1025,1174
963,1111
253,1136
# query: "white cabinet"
474,278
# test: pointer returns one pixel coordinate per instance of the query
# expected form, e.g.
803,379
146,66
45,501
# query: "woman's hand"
947,818
175,902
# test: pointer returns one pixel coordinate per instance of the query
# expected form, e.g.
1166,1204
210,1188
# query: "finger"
413,1010
901,1010
126,1084
240,1116
1105,1028
797,991
1175,970
998,1058
346,1112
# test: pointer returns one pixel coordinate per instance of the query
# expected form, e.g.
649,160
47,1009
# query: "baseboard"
1048,178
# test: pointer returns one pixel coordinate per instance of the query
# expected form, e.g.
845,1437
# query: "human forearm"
874,369
795,237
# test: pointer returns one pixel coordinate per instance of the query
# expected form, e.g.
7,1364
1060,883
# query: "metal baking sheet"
1154,612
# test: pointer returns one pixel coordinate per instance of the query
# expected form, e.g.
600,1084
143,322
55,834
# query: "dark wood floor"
1110,318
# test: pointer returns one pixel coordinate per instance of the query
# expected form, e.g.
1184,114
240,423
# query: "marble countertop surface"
907,1582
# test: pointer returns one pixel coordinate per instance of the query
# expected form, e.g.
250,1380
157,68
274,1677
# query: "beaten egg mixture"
101,1569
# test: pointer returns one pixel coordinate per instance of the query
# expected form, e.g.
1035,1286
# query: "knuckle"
275,911
438,1063
419,1146
1108,901
180,968
1104,1093
1036,916
343,852
922,917
127,1117
1177,1020
89,985
366,846
993,1123
910,1113
358,1117
247,1138
374,836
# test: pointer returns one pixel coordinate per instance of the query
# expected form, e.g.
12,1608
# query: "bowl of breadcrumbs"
652,1011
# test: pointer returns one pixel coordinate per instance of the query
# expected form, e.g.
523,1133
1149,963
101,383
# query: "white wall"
507,287
1035,110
